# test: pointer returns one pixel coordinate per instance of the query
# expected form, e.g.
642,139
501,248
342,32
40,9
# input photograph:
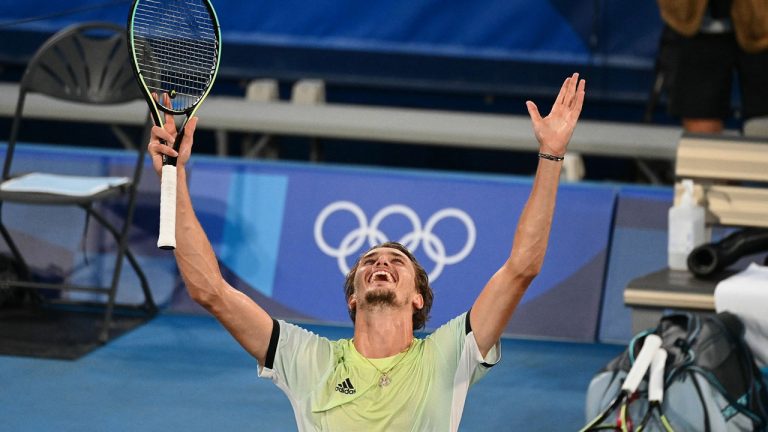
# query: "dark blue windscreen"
559,31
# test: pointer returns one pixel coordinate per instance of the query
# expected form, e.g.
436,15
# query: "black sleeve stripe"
467,324
269,361
486,365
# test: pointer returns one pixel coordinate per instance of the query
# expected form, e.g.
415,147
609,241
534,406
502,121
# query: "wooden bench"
730,177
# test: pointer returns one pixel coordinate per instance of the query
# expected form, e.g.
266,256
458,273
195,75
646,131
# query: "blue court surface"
185,373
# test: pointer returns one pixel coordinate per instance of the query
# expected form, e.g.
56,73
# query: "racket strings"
176,49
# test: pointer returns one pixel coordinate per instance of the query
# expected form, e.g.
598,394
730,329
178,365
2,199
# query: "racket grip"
651,344
167,237
656,380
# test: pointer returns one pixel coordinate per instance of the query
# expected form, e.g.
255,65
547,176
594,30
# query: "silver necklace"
384,378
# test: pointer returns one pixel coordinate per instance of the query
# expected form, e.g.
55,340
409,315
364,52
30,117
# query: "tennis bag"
711,381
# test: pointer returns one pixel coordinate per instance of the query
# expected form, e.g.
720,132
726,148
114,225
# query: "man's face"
384,277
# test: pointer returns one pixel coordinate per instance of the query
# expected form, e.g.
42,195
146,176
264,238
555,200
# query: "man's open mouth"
381,276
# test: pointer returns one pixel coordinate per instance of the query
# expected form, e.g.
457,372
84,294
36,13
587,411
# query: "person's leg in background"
753,81
701,93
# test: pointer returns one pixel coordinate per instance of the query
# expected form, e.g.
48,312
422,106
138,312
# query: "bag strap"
635,340
756,419
735,329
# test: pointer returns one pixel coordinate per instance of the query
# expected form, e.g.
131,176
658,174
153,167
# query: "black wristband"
551,157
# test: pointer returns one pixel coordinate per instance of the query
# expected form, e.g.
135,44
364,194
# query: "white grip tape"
656,380
167,237
651,344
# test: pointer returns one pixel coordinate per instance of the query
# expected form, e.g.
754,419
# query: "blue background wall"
504,48
638,247
286,233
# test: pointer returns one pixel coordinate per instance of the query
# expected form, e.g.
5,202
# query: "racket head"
175,46
656,414
597,423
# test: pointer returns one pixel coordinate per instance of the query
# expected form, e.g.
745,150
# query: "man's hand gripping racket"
161,152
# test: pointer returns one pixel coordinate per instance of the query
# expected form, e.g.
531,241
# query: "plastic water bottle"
686,228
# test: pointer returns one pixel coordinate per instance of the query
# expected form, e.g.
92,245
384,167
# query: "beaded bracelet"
551,157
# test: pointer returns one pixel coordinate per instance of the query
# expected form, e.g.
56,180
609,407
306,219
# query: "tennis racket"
651,344
176,49
656,394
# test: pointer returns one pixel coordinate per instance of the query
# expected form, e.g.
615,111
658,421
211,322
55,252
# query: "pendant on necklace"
384,380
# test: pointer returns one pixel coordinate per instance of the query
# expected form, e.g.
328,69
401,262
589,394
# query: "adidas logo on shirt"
346,387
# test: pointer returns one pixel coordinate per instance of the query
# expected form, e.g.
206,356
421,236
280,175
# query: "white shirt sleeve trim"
469,361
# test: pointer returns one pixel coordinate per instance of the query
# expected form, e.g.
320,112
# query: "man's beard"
381,298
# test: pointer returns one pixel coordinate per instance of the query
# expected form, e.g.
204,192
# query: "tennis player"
384,378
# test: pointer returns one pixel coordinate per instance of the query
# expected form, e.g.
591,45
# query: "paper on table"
62,184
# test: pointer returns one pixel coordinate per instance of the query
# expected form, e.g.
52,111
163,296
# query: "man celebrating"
383,379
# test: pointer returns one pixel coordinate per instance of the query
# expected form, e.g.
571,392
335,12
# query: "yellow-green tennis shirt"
332,387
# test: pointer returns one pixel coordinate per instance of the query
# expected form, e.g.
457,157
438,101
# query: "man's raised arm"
250,325
494,306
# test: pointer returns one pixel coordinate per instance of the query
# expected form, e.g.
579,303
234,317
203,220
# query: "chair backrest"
83,63
87,63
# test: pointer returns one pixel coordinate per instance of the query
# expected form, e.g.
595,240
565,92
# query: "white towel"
745,294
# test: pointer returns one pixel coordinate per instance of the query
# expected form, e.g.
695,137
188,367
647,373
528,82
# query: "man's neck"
382,332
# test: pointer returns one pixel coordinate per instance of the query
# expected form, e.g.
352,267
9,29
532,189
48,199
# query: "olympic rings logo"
369,232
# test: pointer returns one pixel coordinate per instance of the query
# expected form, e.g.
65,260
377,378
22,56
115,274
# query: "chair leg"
131,258
112,296
23,267
122,251
149,301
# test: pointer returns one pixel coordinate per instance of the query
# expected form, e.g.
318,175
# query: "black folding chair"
85,63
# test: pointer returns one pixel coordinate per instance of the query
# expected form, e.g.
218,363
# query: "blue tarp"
558,31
